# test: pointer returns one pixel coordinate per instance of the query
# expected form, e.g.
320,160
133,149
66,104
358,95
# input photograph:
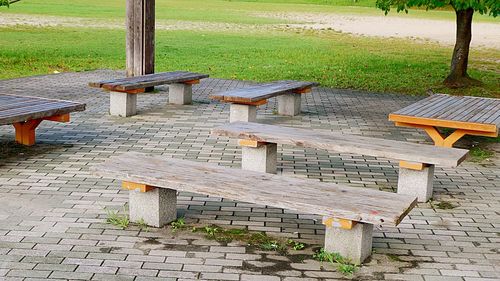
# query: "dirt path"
441,31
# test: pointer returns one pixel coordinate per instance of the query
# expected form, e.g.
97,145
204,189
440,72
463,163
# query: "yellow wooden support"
137,186
341,223
250,143
192,82
412,165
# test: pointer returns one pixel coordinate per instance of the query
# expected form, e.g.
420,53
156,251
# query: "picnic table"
466,115
26,113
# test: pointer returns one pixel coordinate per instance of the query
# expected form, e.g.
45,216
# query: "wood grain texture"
262,92
469,113
301,195
15,109
340,143
149,80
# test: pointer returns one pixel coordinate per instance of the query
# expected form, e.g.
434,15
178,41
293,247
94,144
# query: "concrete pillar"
242,112
416,183
260,159
156,207
289,104
179,93
354,244
122,104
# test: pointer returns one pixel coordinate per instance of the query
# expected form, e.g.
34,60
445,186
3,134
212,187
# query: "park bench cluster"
348,213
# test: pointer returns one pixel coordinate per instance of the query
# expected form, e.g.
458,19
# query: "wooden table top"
456,111
15,109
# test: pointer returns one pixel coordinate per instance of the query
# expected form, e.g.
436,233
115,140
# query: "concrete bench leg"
417,183
122,104
242,112
289,104
180,93
354,244
155,207
262,158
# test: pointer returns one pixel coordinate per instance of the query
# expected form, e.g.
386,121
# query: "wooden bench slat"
340,143
149,80
33,108
261,92
301,195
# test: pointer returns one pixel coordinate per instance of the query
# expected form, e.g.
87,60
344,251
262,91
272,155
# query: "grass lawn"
333,59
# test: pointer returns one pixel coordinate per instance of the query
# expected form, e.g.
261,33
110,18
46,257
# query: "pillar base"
354,244
289,104
156,207
262,158
122,104
417,183
179,93
242,112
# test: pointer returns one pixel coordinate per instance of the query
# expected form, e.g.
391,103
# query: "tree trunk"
458,76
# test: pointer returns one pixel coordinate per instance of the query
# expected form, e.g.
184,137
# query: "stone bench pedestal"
242,112
350,239
153,206
122,104
416,180
181,93
259,157
289,104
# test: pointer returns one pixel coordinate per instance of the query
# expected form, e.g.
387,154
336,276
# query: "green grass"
115,218
233,11
344,265
478,154
333,59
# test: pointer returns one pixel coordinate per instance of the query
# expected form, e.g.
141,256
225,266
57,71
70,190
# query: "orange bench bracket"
137,186
25,131
341,223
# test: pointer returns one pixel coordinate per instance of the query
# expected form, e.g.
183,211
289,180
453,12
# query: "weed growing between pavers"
259,240
442,205
178,224
344,265
478,154
117,219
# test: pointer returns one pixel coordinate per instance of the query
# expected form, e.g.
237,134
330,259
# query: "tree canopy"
490,7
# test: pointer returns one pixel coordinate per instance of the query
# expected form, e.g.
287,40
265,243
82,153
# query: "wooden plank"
340,143
433,108
300,195
419,104
150,80
443,123
40,108
261,92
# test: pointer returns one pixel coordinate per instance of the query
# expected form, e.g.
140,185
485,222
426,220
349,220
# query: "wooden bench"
416,168
466,115
348,213
26,113
244,101
123,91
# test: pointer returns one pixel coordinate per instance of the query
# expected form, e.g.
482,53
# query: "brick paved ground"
52,211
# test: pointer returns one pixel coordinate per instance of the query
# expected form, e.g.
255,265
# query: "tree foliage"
7,2
490,7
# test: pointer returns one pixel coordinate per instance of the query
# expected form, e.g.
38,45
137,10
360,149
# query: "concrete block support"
156,207
289,104
122,104
242,112
179,93
354,244
416,183
260,159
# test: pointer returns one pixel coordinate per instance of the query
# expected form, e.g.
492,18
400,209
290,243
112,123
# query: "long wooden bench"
417,161
26,113
348,213
123,91
244,101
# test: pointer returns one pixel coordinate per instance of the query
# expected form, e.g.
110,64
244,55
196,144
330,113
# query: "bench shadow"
10,149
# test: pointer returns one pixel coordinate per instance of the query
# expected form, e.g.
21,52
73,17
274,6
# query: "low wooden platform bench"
26,113
348,213
465,115
123,91
244,101
416,168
